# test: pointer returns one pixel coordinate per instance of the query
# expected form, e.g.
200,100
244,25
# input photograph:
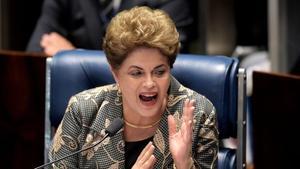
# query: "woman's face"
144,79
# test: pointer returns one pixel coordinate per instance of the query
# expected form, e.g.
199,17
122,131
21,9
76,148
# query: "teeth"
149,95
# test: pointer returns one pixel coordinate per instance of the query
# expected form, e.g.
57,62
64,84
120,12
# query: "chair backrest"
70,72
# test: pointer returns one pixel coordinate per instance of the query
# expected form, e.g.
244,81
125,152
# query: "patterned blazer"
91,111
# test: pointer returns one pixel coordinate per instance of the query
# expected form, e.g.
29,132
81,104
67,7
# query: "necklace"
142,127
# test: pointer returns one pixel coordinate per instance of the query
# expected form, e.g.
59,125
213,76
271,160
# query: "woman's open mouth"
148,99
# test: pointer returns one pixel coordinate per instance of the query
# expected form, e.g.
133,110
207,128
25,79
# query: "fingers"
44,40
49,39
54,42
48,42
172,125
145,150
185,131
188,110
146,159
181,139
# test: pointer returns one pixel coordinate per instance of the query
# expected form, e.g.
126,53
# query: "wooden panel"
276,109
22,89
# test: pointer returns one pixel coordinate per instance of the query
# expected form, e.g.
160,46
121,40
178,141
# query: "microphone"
114,127
110,131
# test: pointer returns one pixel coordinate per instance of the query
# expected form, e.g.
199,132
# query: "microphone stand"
76,152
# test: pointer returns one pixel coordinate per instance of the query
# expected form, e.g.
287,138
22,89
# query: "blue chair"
216,77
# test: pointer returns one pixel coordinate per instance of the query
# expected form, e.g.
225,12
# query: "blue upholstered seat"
216,77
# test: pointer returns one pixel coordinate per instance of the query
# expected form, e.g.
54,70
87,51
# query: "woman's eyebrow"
160,66
134,66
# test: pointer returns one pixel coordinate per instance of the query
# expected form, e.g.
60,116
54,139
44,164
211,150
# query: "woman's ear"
114,73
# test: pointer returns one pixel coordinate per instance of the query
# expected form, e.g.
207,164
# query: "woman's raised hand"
181,140
146,159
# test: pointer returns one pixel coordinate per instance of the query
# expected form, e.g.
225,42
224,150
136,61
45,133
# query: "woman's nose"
149,82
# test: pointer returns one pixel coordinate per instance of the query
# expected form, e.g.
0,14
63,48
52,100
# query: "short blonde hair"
140,27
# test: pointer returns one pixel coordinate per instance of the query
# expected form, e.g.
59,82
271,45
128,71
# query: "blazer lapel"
161,142
114,147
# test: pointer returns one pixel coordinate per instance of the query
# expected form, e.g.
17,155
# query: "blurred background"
219,27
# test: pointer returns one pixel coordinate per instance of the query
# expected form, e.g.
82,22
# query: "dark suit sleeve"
180,12
49,21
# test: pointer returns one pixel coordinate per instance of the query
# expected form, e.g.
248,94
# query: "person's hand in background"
54,42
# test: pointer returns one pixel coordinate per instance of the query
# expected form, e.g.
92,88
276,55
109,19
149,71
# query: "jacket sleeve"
50,20
65,141
206,144
180,12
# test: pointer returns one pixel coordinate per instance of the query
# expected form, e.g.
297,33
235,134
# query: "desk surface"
11,53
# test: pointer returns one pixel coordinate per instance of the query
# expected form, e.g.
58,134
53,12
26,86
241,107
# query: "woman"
166,124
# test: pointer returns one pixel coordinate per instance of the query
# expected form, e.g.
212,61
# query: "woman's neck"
136,120
134,134
137,128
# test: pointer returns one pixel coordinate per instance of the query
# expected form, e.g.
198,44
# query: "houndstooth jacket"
91,111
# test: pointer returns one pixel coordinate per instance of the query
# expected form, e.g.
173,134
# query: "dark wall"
251,19
22,17
293,36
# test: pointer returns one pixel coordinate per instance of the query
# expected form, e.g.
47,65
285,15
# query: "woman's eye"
159,72
135,73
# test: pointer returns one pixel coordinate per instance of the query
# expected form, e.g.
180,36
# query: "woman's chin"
151,109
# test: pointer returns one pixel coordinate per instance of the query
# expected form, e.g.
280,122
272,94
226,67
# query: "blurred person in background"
70,24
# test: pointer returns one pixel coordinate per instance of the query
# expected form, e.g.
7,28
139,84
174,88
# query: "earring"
118,99
119,93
